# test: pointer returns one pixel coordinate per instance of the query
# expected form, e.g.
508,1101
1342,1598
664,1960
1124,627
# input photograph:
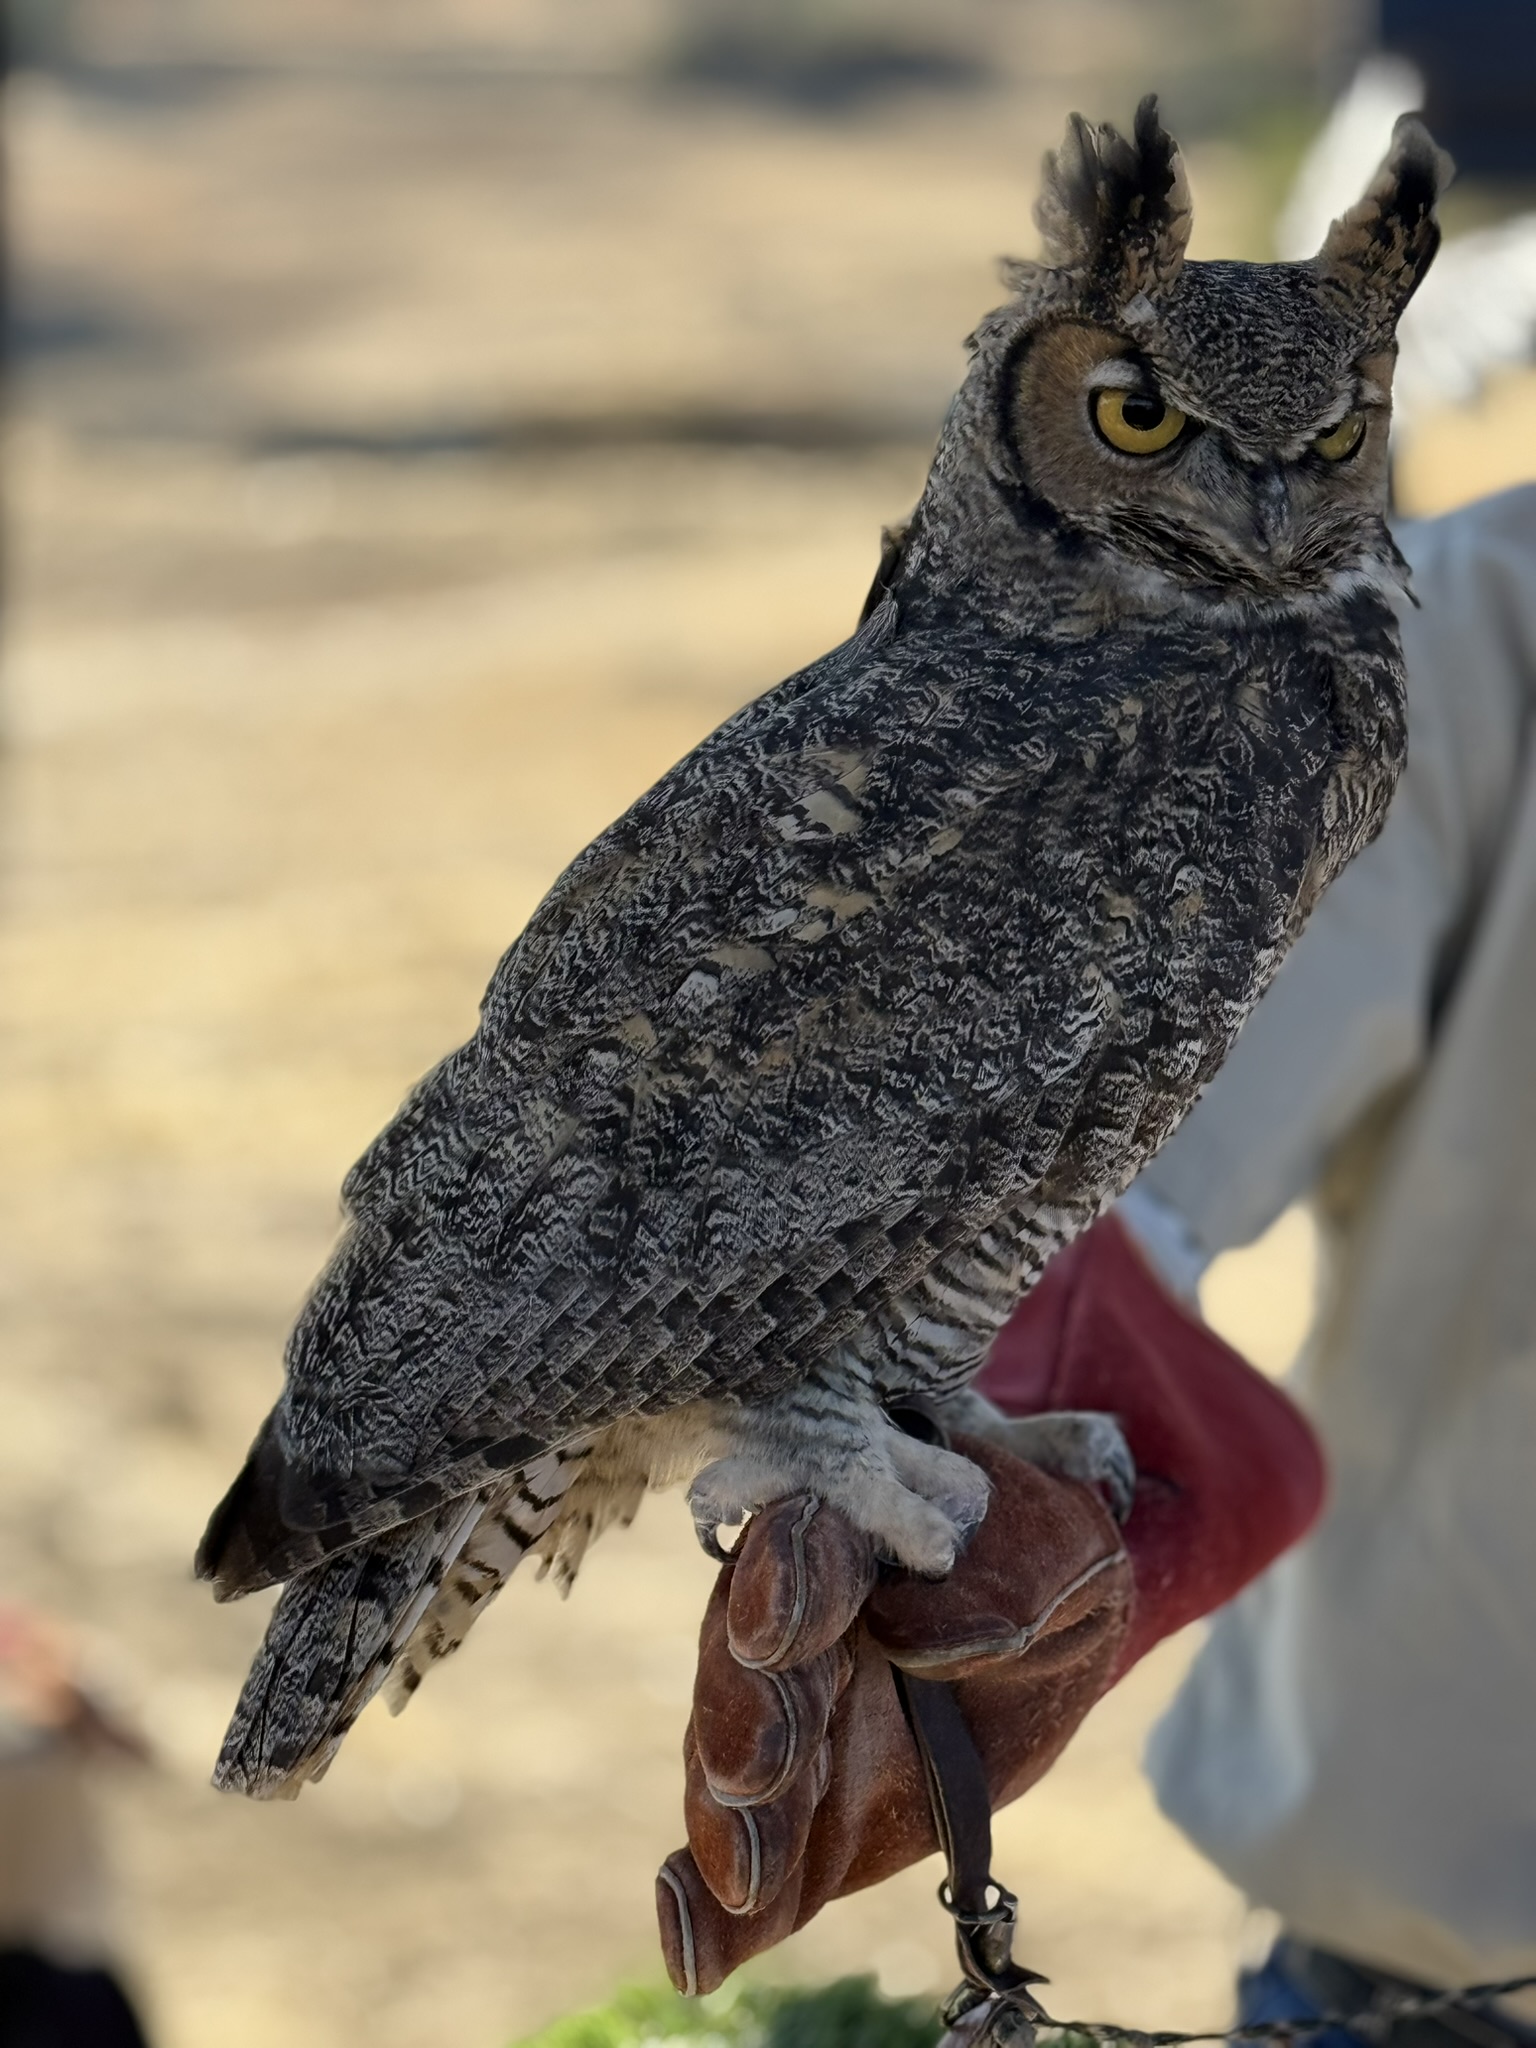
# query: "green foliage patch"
848,2014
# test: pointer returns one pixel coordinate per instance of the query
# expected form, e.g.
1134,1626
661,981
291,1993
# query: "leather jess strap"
985,1913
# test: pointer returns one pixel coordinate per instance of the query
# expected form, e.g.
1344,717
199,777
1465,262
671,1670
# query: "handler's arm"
1351,1014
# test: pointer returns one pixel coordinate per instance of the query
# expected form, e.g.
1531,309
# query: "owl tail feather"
337,1632
328,1645
516,1520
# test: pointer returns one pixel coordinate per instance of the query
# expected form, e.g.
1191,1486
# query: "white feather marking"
503,1528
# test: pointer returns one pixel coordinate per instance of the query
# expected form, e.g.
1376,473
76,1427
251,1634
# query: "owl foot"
920,1503
1074,1443
1078,1444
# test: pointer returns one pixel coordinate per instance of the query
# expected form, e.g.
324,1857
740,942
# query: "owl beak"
1273,523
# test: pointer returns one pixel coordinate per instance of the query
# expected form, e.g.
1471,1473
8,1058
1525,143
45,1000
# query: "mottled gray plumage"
802,1069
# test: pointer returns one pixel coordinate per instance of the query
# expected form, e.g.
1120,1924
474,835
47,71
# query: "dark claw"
707,1527
1119,1481
708,1532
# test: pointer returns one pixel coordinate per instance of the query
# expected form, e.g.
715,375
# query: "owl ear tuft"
1116,212
1376,254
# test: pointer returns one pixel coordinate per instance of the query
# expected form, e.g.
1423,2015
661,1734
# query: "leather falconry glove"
804,1779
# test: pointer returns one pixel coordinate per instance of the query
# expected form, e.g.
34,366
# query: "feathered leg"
830,1436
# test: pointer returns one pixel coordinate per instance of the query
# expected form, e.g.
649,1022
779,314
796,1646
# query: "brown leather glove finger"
798,1579
755,1731
702,1943
871,1800
747,1853
1028,1625
773,1660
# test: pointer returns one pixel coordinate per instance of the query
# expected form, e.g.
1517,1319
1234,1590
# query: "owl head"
1220,427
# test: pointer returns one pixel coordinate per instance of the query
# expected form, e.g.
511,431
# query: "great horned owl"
803,1069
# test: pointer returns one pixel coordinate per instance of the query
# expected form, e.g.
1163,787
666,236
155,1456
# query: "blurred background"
426,420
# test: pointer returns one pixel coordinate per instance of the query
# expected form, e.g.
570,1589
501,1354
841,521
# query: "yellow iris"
1341,440
1137,422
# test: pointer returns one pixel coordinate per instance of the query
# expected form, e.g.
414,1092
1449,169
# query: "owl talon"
725,1493
707,1530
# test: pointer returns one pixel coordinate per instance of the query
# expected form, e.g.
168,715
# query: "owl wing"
808,1013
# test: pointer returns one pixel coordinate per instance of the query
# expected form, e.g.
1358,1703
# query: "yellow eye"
1137,422
1340,442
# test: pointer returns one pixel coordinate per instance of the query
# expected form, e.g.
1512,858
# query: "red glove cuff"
1229,1472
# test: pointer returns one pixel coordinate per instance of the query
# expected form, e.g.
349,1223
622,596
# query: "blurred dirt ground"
403,474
